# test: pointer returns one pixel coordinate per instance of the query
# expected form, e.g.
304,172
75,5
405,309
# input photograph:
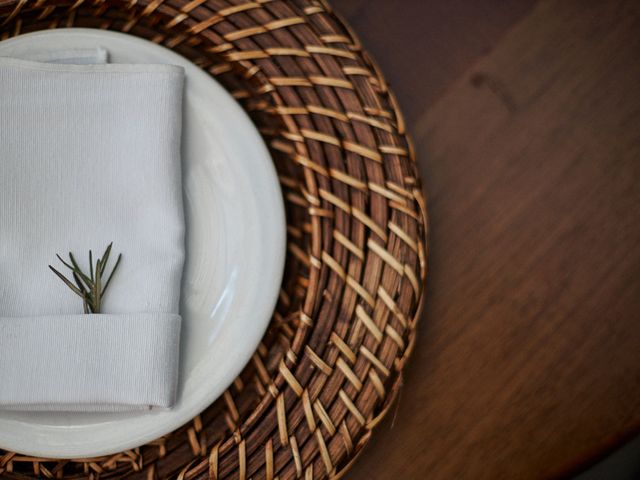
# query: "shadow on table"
623,464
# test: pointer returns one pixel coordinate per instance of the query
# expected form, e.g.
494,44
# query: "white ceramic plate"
235,257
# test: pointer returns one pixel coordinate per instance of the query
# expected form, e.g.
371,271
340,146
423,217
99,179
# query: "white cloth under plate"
89,154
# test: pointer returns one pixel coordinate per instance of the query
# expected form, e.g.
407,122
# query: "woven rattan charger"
330,365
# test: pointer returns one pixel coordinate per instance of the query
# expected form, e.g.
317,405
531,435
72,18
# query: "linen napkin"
89,155
71,56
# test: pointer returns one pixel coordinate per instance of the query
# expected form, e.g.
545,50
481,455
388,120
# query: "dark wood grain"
528,359
425,45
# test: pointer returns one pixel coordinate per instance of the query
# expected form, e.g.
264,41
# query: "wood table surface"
526,120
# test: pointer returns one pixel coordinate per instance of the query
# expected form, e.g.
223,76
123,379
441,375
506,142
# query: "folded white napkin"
72,56
89,155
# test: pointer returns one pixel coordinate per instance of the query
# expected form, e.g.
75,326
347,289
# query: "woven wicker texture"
331,362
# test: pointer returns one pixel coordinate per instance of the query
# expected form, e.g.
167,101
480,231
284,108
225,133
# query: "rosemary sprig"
89,287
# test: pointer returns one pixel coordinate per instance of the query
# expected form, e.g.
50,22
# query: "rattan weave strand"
331,362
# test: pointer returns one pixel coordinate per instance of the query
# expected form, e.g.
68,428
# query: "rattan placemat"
331,362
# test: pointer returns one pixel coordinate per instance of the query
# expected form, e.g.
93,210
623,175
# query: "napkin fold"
89,155
71,56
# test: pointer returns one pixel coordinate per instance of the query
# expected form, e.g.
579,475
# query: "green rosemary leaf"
106,285
91,265
97,289
89,287
67,282
79,283
105,257
73,262
87,299
64,263
76,269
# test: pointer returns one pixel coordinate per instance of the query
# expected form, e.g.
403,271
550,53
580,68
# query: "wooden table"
526,119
